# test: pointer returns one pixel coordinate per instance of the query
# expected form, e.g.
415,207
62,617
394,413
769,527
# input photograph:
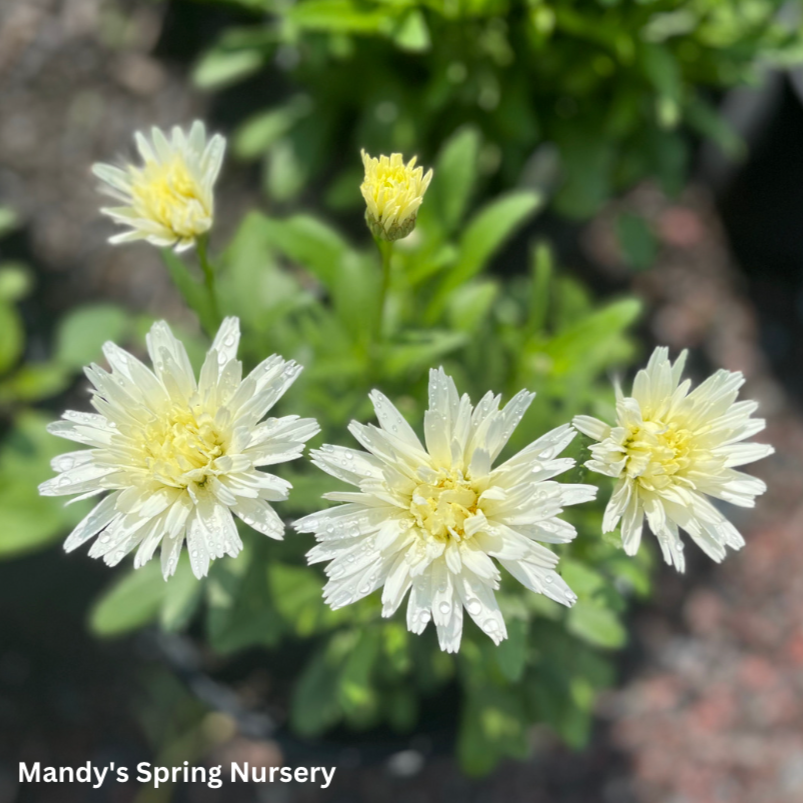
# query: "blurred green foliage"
303,290
517,104
27,381
583,97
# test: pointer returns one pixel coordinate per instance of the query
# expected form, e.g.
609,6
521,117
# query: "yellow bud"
393,192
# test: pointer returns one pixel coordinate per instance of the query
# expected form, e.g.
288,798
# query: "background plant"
584,96
306,292
568,102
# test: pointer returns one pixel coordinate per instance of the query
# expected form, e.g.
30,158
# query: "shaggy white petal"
670,448
433,520
169,200
179,456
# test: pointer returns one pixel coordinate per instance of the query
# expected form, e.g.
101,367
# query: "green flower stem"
386,252
209,276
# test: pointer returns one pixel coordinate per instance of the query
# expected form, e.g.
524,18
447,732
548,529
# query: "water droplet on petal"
445,608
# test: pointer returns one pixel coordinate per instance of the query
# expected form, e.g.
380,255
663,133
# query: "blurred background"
663,139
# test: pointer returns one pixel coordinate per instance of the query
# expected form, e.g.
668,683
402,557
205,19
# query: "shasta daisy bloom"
178,457
168,200
670,449
393,192
431,519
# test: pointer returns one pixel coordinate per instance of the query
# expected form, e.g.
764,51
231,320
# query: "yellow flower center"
181,448
657,451
169,194
441,507
392,178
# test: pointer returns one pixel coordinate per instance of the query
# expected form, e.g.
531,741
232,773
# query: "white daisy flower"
672,448
430,520
178,456
168,200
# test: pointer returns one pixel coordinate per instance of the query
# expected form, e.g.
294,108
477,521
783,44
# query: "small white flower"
169,199
430,520
178,456
669,450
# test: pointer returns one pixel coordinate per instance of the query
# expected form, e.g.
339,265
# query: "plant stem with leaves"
209,277
386,252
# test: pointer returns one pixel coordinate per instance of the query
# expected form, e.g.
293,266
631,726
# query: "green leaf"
341,16
257,134
82,333
8,220
542,270
511,654
588,344
663,72
582,579
253,283
484,234
15,281
396,646
297,596
703,117
182,597
469,305
408,358
221,67
492,727
132,601
454,177
34,382
355,295
30,521
413,33
240,610
285,172
355,692
311,244
598,626
314,704
12,337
